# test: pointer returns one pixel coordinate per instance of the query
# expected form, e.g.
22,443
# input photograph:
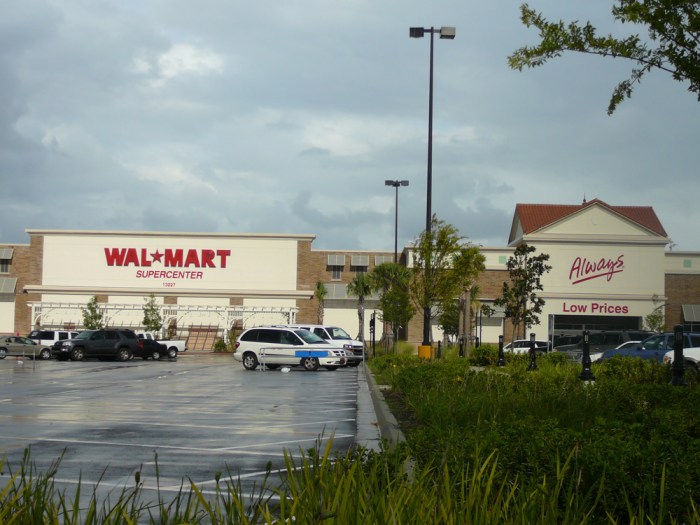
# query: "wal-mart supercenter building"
611,267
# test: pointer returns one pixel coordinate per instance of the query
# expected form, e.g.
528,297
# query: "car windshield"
309,338
338,333
84,335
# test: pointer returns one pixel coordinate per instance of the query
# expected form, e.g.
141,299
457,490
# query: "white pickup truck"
176,345
691,358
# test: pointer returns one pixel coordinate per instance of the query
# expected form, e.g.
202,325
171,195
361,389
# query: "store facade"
610,270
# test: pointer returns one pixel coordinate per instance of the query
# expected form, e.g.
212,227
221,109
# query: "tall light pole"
445,33
396,184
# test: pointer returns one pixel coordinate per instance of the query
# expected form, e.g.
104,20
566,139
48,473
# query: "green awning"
6,253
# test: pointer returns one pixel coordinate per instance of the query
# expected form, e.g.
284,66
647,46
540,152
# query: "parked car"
173,345
565,339
522,346
654,347
119,344
275,346
18,345
691,358
150,348
338,337
49,337
628,345
602,341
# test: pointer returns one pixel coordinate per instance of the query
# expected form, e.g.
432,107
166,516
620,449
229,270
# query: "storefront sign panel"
170,262
597,307
604,270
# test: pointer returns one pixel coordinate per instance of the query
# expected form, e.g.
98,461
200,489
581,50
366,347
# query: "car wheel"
172,352
45,353
3,353
77,354
331,367
123,354
250,362
155,355
310,363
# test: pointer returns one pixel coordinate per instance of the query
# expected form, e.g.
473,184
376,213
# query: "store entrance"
579,323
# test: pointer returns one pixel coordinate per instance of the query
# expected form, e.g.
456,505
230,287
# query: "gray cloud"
288,118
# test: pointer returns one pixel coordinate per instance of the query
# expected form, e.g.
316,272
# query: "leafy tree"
444,266
93,315
519,297
320,294
152,320
457,314
391,281
655,320
449,317
673,47
360,287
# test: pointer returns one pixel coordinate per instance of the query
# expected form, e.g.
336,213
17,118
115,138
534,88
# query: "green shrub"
625,432
221,346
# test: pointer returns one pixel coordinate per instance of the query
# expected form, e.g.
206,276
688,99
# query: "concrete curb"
388,425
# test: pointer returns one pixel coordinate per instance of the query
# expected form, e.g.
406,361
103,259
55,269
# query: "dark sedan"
151,349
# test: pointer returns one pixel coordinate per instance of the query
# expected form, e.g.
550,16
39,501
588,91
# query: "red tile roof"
536,216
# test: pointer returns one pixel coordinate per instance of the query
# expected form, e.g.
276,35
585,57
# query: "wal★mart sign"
168,258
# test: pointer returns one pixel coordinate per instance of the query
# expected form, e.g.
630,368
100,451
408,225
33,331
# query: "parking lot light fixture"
449,34
396,184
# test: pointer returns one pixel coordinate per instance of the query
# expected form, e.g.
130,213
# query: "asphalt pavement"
174,421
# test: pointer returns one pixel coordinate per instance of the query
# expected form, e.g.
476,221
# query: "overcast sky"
288,116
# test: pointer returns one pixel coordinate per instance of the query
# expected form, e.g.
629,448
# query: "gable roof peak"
534,217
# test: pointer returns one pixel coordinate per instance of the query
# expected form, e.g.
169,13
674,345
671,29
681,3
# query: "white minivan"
338,337
275,346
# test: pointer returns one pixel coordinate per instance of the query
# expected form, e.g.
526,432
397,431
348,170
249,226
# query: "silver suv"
275,346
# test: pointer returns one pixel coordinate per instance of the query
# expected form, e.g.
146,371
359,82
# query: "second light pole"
448,33
396,184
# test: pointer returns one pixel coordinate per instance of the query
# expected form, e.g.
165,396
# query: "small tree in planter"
152,320
93,315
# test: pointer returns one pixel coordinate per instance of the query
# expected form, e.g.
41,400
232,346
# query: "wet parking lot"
194,416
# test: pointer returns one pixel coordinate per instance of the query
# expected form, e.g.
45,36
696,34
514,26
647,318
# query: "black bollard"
678,366
501,360
439,350
586,374
461,347
533,354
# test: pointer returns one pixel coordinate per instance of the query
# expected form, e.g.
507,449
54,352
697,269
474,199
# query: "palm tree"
320,294
360,287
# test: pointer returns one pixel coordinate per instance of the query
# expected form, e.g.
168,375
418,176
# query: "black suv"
119,344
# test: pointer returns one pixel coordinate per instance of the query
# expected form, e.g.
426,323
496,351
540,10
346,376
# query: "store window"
336,273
